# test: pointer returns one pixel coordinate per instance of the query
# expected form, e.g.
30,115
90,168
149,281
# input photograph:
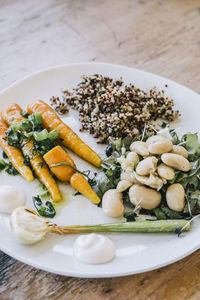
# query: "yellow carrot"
70,139
57,155
15,155
12,115
79,183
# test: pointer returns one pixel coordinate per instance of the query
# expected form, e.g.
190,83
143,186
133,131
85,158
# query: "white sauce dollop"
26,226
94,248
10,198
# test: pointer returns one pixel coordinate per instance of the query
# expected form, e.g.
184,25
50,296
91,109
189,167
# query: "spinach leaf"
126,142
117,145
103,182
4,155
3,164
45,210
175,138
160,215
193,202
109,150
191,142
130,216
27,160
170,214
11,170
114,171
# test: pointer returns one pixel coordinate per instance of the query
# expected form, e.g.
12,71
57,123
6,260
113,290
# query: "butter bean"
112,203
165,172
175,197
158,144
145,197
176,161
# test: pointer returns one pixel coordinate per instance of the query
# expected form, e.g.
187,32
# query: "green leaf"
117,145
191,142
175,138
113,172
193,198
40,135
126,142
3,164
103,182
4,155
26,125
11,170
53,135
25,114
160,215
130,216
170,214
35,120
27,160
45,210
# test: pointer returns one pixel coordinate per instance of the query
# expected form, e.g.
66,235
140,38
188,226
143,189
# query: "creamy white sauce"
94,248
10,198
26,226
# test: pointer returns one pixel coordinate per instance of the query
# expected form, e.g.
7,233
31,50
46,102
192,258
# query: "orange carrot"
57,155
70,139
15,155
79,183
12,115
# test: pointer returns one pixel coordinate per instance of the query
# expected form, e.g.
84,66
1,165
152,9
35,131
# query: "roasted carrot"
57,155
70,139
79,183
15,155
12,115
66,173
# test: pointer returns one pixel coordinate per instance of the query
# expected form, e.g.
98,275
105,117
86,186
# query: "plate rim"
107,275
58,66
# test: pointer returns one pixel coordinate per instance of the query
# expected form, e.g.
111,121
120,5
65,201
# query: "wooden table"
154,35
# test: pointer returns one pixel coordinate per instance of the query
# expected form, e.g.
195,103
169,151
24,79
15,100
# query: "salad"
153,177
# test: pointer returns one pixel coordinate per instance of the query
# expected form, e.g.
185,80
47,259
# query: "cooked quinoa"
110,109
58,105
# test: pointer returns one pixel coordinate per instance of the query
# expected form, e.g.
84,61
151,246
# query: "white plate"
135,253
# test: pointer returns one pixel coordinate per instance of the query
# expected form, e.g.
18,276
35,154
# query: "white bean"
129,176
123,185
158,144
175,197
112,203
132,157
145,197
140,148
165,172
152,180
147,165
125,163
180,150
176,161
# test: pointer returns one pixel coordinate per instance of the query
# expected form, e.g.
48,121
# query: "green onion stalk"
40,227
158,226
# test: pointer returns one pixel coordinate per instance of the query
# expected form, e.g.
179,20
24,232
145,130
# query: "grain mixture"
110,109
58,105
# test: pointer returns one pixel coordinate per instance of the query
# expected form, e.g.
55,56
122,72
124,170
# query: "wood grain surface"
154,35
